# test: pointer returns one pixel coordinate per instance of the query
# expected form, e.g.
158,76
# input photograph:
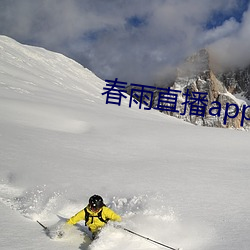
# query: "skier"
95,214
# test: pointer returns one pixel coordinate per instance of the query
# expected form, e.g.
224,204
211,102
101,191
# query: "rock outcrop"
196,75
225,95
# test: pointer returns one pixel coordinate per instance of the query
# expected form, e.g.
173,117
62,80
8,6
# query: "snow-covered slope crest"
48,67
33,74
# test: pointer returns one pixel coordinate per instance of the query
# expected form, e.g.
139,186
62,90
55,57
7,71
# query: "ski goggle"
94,208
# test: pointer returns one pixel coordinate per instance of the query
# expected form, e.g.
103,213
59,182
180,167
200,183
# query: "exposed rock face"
237,81
226,94
196,75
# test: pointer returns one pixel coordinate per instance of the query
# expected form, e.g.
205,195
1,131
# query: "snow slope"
176,183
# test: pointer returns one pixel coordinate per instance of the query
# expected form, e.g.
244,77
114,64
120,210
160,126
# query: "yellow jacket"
94,223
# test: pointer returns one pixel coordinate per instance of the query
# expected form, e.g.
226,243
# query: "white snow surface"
182,185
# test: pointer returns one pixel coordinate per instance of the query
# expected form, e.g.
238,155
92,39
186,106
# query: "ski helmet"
95,202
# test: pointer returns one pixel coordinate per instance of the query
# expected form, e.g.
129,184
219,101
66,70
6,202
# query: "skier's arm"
110,214
77,217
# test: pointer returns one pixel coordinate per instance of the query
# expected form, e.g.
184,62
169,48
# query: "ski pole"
146,238
45,228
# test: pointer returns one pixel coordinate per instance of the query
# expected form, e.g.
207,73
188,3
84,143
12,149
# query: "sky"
139,41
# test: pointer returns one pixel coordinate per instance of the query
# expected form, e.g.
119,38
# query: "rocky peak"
196,64
237,81
196,74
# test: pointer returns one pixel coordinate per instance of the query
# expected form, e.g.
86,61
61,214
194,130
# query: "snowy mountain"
202,93
237,81
183,185
227,93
